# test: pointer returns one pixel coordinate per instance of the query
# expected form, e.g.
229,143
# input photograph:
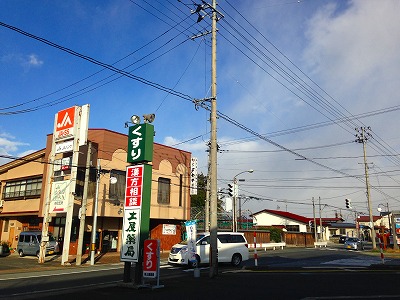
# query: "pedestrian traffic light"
348,203
230,189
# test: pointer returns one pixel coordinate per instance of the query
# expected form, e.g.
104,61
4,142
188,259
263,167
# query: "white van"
29,243
232,247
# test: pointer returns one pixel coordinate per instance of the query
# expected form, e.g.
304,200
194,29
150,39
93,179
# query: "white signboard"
131,235
169,229
59,196
67,146
193,176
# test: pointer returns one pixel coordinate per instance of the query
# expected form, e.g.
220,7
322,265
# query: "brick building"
23,184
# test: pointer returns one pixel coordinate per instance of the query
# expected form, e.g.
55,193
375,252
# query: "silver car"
354,243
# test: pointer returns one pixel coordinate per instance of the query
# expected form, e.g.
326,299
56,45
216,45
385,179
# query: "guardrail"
320,244
268,245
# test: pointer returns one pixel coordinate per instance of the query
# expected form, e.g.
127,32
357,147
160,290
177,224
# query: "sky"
295,79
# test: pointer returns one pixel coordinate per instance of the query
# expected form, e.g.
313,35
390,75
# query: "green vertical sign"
140,143
146,199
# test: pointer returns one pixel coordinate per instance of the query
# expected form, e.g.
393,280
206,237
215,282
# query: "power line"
99,63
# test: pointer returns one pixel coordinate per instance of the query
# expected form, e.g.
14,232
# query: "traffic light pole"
234,201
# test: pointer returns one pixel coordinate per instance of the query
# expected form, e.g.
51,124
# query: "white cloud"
356,49
33,60
9,147
26,61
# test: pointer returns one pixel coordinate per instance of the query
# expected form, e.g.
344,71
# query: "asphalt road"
292,273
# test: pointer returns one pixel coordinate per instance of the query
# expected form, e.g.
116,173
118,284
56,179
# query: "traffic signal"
348,203
230,189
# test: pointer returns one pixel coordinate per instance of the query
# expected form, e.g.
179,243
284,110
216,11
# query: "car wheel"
236,259
21,253
37,254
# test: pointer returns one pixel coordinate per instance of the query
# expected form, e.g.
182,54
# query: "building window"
293,228
164,190
23,188
6,225
116,191
180,189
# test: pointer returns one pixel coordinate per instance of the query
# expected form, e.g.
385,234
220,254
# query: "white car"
232,247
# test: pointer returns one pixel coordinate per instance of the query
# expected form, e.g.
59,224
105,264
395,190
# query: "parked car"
342,239
29,243
232,247
354,243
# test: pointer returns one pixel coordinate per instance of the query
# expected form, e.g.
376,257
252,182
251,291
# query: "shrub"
6,246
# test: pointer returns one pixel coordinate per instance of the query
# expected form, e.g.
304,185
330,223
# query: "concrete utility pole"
201,12
94,227
82,215
315,223
46,213
320,220
213,148
362,137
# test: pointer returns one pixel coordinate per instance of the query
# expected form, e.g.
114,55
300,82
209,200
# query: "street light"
235,196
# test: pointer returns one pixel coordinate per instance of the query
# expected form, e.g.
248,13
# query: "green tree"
275,233
199,200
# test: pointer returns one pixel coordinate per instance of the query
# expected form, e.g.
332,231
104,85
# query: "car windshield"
51,237
199,236
352,240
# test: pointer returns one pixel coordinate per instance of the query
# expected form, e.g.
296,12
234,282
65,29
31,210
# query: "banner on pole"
191,241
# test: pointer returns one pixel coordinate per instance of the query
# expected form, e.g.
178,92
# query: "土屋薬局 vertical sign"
140,143
136,208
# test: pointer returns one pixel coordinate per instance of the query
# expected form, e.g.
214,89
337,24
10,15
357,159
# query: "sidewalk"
14,264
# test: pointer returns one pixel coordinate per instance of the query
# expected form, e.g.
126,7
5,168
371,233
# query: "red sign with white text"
134,186
150,256
65,122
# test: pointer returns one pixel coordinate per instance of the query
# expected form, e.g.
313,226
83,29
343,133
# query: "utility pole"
200,10
46,213
94,227
82,211
362,137
320,219
234,208
213,148
315,223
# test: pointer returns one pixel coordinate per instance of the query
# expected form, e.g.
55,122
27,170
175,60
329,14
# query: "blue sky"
303,74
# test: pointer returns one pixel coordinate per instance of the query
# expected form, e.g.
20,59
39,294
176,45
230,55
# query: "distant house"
378,221
347,229
290,221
